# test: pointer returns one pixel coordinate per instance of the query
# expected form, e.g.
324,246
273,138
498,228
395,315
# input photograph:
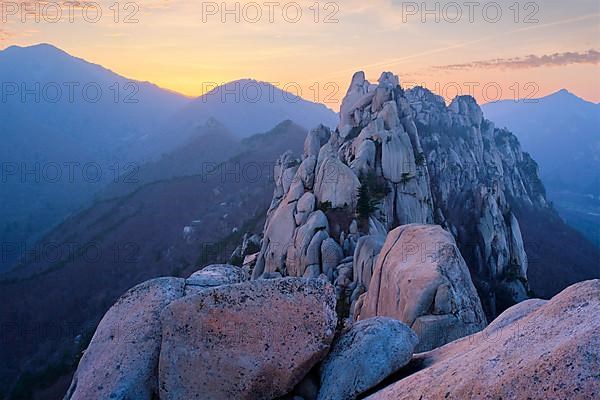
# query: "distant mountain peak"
285,122
248,80
40,48
247,106
43,54
243,87
564,93
566,96
214,123
284,126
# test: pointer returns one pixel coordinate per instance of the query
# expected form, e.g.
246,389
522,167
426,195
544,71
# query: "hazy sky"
509,48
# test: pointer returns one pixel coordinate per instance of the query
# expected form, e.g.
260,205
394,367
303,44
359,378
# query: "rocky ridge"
478,174
402,157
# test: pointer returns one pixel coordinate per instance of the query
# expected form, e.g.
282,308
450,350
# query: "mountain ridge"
51,50
249,98
113,134
561,132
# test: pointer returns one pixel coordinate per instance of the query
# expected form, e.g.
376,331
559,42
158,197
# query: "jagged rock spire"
418,161
376,137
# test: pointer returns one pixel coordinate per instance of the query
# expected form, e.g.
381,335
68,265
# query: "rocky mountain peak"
467,107
402,157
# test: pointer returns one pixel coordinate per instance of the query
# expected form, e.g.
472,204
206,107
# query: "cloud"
530,61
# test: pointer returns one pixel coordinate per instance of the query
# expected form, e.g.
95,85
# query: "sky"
493,50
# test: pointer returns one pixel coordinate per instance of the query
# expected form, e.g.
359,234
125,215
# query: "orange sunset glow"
506,50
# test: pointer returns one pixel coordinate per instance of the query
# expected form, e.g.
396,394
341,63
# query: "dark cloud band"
530,61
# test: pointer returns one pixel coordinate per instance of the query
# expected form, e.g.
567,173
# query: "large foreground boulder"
120,362
535,350
364,356
254,340
422,280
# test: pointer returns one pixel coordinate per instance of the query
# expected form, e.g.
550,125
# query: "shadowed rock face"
478,174
421,279
536,349
364,356
254,340
121,359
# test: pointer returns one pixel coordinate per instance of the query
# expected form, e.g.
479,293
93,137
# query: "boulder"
122,358
306,172
519,257
250,244
495,250
364,162
365,255
306,205
298,257
249,263
422,280
364,356
397,158
336,183
255,340
331,254
279,232
212,276
312,271
315,139
313,251
534,350
343,278
284,171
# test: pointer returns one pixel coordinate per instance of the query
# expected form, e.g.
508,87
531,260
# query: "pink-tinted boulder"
254,340
535,350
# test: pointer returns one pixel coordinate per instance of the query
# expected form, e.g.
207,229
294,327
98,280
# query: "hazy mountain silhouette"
562,133
70,127
248,106
209,145
67,128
